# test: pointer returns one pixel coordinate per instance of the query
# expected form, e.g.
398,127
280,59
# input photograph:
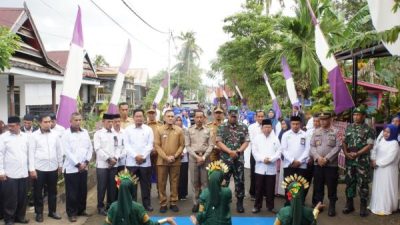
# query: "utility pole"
169,66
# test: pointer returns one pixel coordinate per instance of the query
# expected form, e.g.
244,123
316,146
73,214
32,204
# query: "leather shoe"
72,219
195,208
84,213
273,210
102,212
163,209
39,218
255,210
174,208
24,221
55,216
149,208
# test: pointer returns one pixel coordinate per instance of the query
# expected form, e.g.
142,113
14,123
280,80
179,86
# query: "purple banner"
341,96
67,107
112,109
276,108
78,34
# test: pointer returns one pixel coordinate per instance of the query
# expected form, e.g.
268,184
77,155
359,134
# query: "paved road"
185,210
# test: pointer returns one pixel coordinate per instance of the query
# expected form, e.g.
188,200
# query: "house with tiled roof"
34,81
134,88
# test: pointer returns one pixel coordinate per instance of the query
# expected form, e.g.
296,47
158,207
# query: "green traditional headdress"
294,183
217,165
125,175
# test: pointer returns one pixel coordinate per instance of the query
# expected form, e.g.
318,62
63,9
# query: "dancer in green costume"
215,200
296,213
125,211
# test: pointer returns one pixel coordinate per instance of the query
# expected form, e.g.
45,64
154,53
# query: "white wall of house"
42,93
3,98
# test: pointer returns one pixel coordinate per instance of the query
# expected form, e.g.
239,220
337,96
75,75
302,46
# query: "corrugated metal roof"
8,16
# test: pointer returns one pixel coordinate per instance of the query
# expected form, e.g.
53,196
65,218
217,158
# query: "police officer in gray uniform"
325,147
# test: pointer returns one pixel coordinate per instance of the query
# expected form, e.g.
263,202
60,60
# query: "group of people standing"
171,151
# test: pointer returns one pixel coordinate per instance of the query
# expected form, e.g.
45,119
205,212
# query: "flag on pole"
383,18
238,90
72,76
341,96
119,82
228,102
275,105
160,92
289,83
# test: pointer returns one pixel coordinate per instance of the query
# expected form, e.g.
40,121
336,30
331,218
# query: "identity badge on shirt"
302,141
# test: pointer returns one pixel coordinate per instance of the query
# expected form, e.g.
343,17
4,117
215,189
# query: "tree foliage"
100,61
8,45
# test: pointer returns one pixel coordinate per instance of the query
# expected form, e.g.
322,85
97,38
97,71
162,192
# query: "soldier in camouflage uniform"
213,126
233,139
358,141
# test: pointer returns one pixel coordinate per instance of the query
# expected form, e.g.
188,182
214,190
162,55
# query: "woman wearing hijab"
285,125
215,200
296,213
184,171
125,211
385,161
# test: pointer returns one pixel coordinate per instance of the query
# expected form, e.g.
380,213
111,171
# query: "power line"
120,26
143,20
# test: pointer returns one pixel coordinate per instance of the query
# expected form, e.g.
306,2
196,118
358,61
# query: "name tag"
302,141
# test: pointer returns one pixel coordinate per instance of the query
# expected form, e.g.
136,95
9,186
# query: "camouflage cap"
359,110
233,109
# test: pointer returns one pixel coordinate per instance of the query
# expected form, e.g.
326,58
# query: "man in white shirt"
254,130
105,143
139,141
55,127
45,146
266,150
293,147
78,151
16,164
28,127
120,133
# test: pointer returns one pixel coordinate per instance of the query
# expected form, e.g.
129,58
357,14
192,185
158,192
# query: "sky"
55,20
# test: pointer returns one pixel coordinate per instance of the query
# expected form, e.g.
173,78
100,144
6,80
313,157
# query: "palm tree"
296,35
188,58
267,4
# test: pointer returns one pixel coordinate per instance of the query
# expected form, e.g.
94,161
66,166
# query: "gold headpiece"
296,183
294,178
217,165
125,175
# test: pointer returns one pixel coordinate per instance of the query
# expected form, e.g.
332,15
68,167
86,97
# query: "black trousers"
252,190
48,179
183,180
309,176
106,184
15,199
325,175
1,201
265,186
76,192
291,171
144,175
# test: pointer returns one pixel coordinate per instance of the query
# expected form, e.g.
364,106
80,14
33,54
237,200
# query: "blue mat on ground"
235,220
